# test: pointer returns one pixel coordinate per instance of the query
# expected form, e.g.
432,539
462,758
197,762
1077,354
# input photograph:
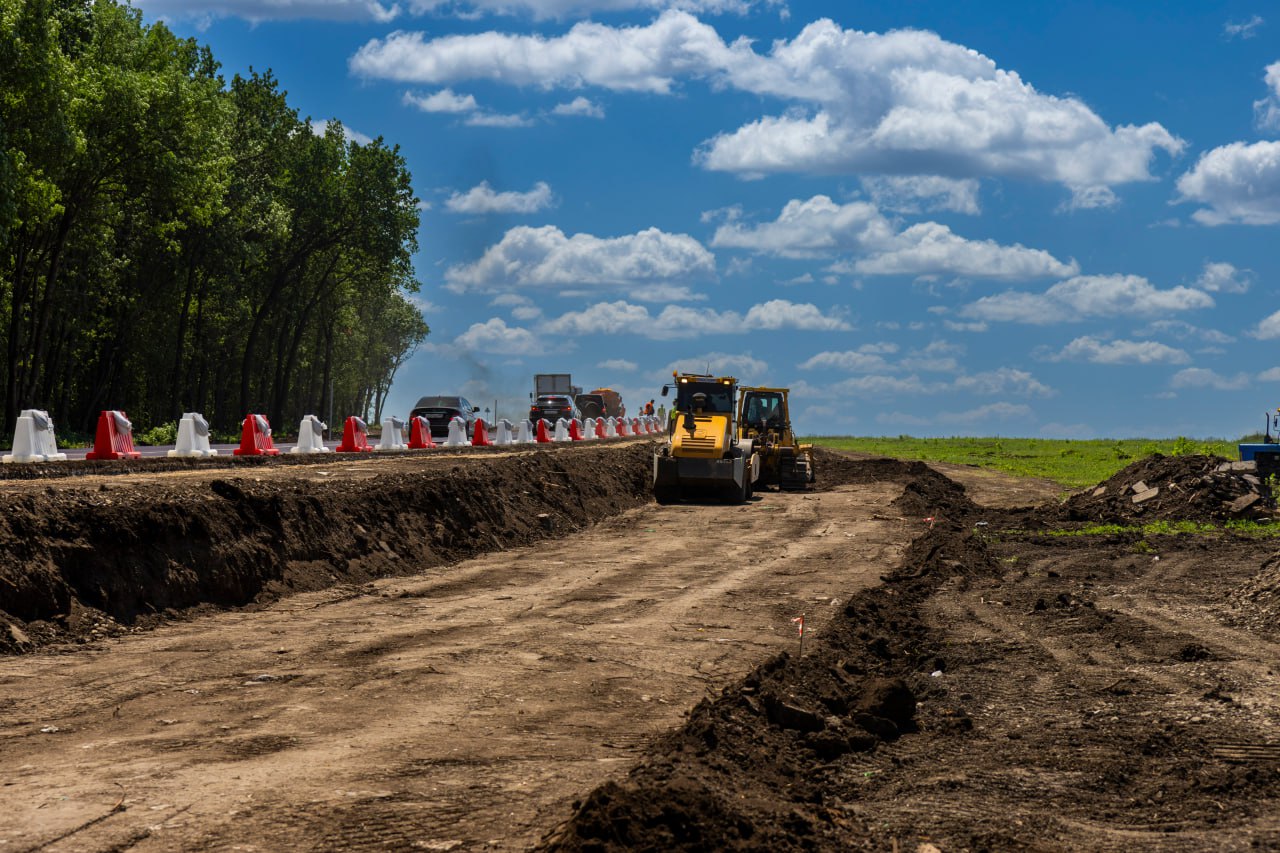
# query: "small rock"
19,636
1145,495
1140,486
1100,491
1243,502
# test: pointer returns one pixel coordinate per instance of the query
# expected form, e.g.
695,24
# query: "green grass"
1255,529
1073,464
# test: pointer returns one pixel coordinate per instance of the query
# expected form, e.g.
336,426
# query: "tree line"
173,242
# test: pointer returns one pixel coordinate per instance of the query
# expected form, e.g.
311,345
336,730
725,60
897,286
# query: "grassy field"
1074,464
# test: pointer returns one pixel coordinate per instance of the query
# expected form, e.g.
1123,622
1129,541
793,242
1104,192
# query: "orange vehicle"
601,403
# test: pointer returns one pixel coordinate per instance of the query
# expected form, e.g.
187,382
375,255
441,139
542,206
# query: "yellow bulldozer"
764,420
705,453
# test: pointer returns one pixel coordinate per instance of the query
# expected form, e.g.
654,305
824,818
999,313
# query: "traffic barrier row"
34,440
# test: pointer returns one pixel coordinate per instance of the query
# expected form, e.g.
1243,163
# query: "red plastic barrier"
355,437
114,438
480,435
575,430
599,427
623,427
255,438
420,434
544,437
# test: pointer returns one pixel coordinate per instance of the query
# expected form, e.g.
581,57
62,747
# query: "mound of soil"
1198,488
78,562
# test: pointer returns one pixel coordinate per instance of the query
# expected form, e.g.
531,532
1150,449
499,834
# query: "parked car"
439,411
552,407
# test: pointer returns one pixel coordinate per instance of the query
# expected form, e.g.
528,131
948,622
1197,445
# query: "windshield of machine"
764,408
719,397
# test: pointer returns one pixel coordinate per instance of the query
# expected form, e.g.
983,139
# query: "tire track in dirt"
464,706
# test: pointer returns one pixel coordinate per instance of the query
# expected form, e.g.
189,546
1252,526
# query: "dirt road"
464,708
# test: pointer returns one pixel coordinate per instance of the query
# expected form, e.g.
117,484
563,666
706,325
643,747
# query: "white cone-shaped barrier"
311,436
457,433
502,435
525,434
392,435
610,428
589,429
33,439
562,430
193,437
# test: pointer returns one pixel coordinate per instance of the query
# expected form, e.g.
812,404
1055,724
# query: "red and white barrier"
33,439
562,430
610,428
575,430
525,433
420,434
193,437
355,437
457,434
544,434
392,437
589,429
255,438
622,427
480,434
503,435
114,438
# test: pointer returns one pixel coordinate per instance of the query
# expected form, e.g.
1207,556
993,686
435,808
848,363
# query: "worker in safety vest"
648,408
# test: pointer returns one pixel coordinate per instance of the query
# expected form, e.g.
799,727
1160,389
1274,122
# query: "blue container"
1253,451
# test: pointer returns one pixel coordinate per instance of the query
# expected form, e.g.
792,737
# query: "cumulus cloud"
1087,296
546,257
937,357
1200,377
746,367
1119,352
819,226
559,9
579,107
1266,112
496,337
444,101
501,120
320,126
1183,331
906,102
848,360
679,321
1222,277
273,10
1268,329
1243,29
482,199
617,364
1004,380
1238,183
923,193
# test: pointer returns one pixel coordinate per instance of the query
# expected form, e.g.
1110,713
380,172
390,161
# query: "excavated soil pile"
750,767
83,562
1202,488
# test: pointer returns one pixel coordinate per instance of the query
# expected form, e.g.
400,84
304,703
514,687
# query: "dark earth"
1001,687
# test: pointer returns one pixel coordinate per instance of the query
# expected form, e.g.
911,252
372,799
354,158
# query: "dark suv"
552,407
439,411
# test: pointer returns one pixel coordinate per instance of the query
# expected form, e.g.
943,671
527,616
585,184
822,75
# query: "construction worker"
648,408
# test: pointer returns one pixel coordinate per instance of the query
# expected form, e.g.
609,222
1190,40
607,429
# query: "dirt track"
967,683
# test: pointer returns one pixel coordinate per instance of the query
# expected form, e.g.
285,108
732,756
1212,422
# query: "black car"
439,411
552,407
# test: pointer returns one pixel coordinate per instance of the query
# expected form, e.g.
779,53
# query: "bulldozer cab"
765,419
705,394
764,411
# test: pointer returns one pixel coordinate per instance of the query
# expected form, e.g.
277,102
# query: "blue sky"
926,218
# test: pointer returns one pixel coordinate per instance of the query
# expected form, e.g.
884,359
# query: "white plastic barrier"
589,429
392,435
525,433
193,437
610,428
311,436
33,439
502,436
457,434
562,430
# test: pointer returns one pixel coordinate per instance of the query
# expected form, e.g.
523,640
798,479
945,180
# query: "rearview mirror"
664,390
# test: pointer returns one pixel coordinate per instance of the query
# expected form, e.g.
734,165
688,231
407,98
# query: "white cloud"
1120,352
319,126
1087,296
560,9
1222,277
679,321
525,313
497,120
496,337
482,199
952,325
818,226
1268,329
1270,375
745,367
617,364
1200,377
903,102
1239,183
273,10
853,362
1004,380
1242,29
937,357
1182,331
444,101
579,106
545,257
923,193
1266,112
